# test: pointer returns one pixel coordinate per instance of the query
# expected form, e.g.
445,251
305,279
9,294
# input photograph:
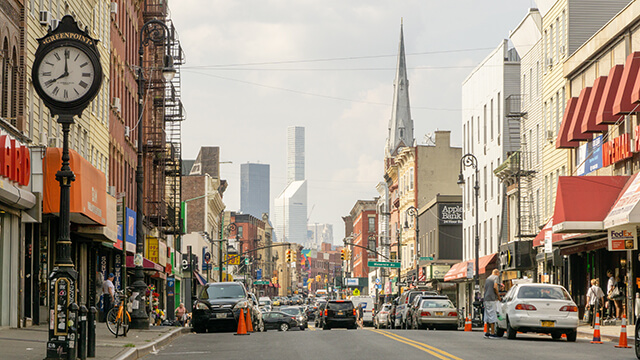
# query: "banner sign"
152,249
622,238
351,281
450,214
130,234
589,156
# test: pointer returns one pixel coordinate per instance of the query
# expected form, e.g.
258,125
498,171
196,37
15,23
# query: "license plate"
439,313
340,313
220,316
548,323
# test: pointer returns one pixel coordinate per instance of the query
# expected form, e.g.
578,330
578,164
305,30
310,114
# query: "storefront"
18,235
462,275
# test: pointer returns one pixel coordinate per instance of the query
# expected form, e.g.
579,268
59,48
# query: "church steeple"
400,124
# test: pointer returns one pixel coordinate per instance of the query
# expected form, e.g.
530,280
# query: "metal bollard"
73,331
91,332
82,333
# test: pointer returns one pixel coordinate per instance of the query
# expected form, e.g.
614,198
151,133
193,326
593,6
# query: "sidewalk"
607,332
30,343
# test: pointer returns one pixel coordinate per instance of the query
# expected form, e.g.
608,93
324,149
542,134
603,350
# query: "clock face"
66,74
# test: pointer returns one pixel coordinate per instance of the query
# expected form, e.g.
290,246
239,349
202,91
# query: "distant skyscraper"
318,234
290,207
295,153
254,189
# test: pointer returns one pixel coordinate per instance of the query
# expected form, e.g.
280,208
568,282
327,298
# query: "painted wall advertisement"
589,156
622,238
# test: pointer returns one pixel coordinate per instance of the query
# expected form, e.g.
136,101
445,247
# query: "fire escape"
162,128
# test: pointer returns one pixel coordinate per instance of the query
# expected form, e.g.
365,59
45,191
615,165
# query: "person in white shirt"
611,283
595,298
108,289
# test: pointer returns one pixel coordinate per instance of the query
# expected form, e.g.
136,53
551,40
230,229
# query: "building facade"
254,189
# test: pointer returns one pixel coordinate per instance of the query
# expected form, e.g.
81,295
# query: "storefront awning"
555,237
459,270
589,122
582,202
575,129
199,277
605,114
88,196
146,264
626,209
562,141
624,103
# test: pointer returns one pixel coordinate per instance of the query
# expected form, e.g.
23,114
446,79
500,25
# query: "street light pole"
413,212
231,227
469,160
157,32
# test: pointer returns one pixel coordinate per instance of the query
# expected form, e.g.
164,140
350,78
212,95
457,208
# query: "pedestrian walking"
595,297
491,298
109,292
181,314
610,302
360,316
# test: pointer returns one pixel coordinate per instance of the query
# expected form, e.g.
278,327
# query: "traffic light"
343,254
288,255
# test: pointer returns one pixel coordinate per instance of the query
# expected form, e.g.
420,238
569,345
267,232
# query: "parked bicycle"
118,318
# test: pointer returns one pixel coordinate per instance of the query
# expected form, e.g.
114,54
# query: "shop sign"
351,282
152,248
15,161
117,264
162,253
616,150
450,214
589,156
622,238
437,271
548,242
470,270
130,235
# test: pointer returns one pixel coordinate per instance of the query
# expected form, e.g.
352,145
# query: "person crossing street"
491,298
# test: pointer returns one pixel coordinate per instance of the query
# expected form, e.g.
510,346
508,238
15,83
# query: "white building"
290,207
489,135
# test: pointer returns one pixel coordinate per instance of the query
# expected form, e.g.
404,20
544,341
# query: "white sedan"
540,308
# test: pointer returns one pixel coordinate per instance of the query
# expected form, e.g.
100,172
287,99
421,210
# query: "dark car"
218,306
278,320
339,313
299,313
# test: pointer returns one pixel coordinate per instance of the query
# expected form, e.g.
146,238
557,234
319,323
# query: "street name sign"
261,282
426,258
384,264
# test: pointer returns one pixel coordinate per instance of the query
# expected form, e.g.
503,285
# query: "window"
240,232
538,79
410,178
492,181
524,85
478,129
557,113
530,84
485,183
491,118
491,235
557,39
484,235
485,124
372,223
498,115
546,195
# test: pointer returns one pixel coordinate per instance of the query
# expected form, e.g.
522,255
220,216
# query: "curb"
610,338
138,352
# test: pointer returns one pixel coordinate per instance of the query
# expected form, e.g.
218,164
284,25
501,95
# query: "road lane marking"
422,346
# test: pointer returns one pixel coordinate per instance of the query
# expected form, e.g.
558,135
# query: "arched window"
14,88
4,95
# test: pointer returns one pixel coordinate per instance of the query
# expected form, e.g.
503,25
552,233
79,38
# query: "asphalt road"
381,344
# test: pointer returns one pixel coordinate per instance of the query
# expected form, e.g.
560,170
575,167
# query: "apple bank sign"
450,214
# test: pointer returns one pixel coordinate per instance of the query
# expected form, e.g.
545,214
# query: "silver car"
382,317
435,311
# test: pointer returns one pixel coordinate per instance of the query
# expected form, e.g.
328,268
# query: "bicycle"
118,318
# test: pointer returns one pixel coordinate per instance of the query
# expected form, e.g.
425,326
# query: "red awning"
625,99
582,202
589,121
562,142
575,129
548,227
146,264
605,114
459,270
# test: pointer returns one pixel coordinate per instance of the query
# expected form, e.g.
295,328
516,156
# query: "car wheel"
284,327
199,329
499,332
326,328
573,334
302,328
556,336
511,332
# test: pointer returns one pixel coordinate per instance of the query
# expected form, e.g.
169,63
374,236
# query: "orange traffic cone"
248,320
485,328
467,324
596,331
242,326
622,343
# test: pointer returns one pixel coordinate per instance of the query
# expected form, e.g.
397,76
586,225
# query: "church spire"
400,124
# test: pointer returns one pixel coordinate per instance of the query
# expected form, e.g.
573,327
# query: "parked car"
339,313
299,313
278,320
403,305
264,300
434,311
540,308
367,308
311,311
381,319
218,306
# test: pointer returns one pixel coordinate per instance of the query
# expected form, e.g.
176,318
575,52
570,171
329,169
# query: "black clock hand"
66,67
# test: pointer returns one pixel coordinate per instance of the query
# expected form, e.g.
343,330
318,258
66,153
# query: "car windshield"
386,307
229,291
436,303
291,311
264,302
543,292
340,306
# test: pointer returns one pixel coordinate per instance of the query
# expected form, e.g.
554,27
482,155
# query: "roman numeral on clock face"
57,56
55,91
66,94
83,84
86,74
46,73
84,64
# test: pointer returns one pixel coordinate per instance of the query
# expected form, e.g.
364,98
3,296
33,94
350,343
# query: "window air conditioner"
549,62
114,7
53,142
550,135
55,23
562,49
127,131
45,17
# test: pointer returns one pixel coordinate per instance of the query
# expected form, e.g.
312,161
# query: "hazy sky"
255,67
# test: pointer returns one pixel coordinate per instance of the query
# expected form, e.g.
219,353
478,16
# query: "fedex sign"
15,161
622,238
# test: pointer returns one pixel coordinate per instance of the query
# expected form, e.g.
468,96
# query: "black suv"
219,305
339,313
